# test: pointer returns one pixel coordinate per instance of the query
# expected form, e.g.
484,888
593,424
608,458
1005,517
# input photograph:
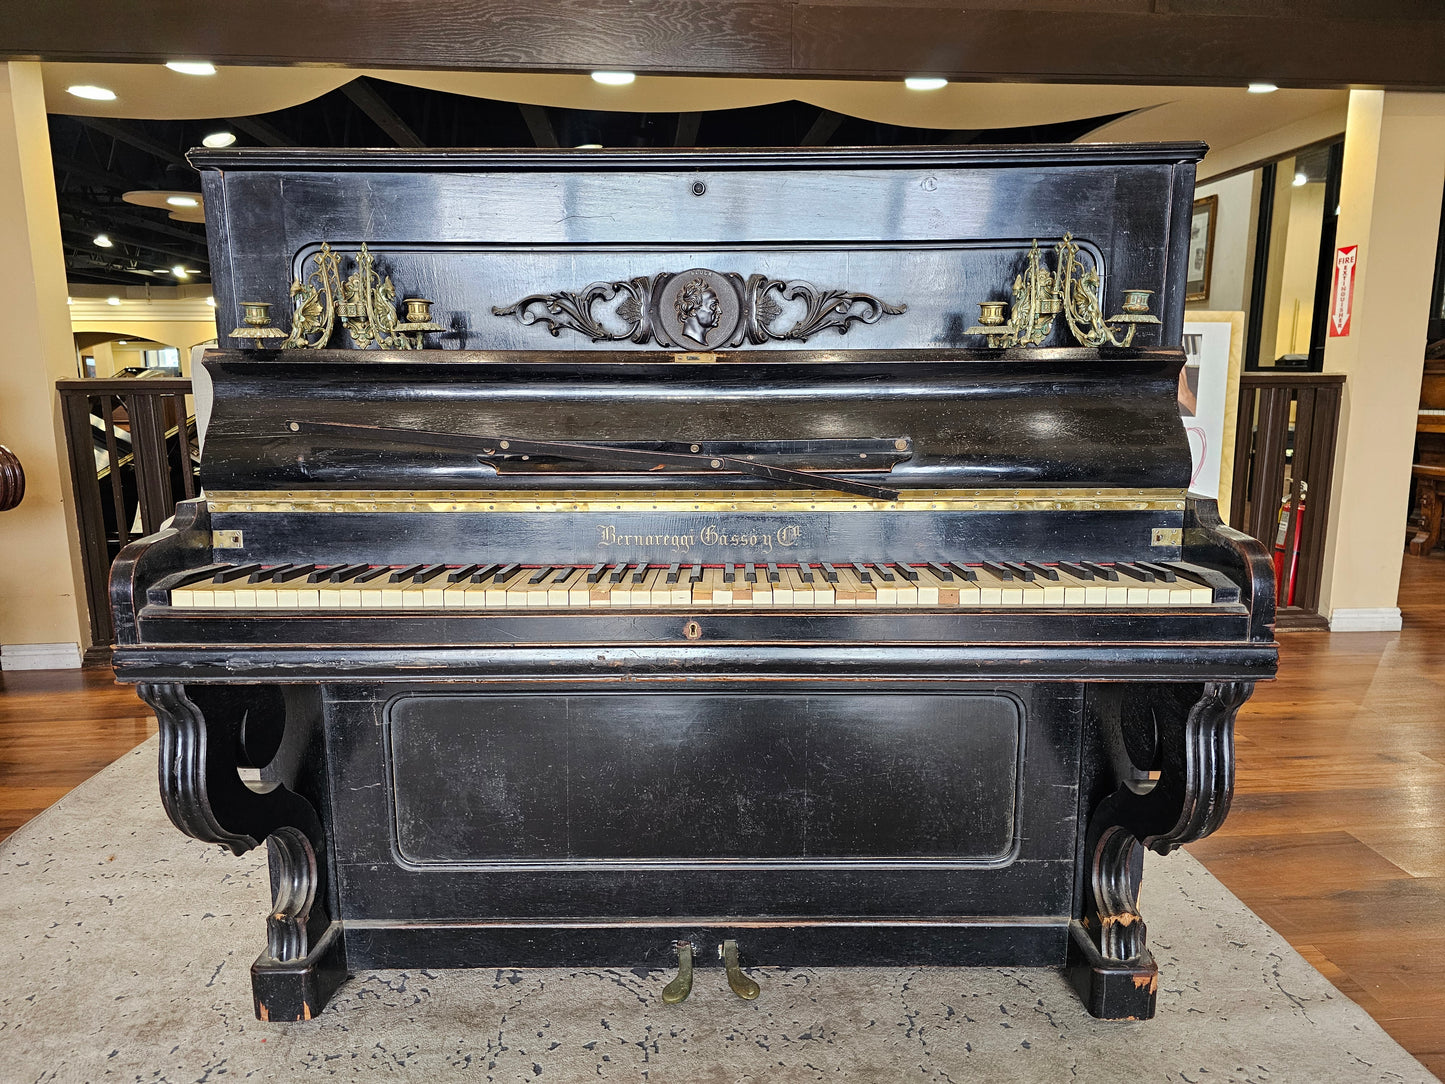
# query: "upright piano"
692,559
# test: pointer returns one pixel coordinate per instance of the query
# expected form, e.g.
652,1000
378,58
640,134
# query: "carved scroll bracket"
699,309
207,733
1189,800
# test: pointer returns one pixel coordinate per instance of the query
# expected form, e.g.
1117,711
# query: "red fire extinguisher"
1287,564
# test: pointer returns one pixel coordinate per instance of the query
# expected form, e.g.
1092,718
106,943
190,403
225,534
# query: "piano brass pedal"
741,985
678,989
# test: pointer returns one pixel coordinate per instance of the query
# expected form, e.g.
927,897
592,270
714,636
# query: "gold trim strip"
672,503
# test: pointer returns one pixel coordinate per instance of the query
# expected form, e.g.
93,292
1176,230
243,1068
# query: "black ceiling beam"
539,124
687,128
126,134
109,273
822,129
70,224
262,131
364,96
117,213
95,175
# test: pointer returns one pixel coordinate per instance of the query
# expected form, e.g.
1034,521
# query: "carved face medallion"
698,308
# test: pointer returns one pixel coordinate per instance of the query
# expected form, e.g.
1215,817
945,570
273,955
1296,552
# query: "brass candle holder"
256,324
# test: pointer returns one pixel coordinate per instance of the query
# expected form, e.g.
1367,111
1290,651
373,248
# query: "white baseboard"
1382,619
40,657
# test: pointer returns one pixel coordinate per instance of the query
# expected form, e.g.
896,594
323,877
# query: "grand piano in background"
638,559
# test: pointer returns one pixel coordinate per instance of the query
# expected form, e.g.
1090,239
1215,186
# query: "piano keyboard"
858,585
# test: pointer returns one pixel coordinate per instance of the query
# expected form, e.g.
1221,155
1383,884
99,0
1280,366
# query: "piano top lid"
646,159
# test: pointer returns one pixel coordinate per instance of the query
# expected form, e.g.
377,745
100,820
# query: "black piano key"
885,573
863,574
730,573
1165,574
540,575
641,573
374,574
263,574
963,572
999,569
906,571
829,573
1188,573
564,574
805,571
429,573
944,574
234,572
507,572
199,575
1134,572
457,575
1022,571
1104,572
483,572
1078,571
400,574
619,572
1045,571
673,570
750,572
694,574
774,576
595,572
287,573
346,573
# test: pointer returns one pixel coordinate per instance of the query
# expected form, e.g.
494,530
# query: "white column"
1394,169
43,622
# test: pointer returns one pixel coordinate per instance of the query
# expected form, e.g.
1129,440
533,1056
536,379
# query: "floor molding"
1380,619
40,657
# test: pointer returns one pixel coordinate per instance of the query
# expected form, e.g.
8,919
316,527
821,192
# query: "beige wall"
41,592
1394,170
1233,241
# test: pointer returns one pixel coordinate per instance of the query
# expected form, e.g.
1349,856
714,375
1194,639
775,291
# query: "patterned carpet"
127,948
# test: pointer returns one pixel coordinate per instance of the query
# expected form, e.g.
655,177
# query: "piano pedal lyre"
678,989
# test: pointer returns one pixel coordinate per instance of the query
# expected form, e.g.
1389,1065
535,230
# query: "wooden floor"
1336,837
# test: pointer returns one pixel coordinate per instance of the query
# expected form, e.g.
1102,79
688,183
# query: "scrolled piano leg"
1109,961
208,733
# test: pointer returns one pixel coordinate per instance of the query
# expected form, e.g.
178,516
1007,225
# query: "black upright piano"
698,559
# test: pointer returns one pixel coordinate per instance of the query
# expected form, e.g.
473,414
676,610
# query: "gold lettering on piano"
710,536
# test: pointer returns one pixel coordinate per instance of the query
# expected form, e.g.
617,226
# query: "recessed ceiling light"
192,67
614,79
1262,88
112,301
925,82
219,139
1300,180
103,241
91,93
589,146
211,301
183,201
70,301
120,342
179,271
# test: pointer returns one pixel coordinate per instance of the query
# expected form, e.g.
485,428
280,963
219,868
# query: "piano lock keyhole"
692,630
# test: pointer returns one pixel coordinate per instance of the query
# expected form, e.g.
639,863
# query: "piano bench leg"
1111,989
288,990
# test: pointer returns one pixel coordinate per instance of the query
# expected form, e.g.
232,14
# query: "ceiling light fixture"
589,146
613,79
112,301
120,342
102,241
1300,180
1262,88
183,201
192,67
211,301
180,272
219,139
91,93
925,82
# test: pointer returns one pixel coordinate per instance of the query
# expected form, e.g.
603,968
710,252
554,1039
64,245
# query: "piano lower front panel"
473,827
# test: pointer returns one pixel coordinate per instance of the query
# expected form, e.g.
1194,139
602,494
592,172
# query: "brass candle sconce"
364,303
1041,295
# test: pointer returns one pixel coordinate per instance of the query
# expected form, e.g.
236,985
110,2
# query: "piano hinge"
226,540
1167,536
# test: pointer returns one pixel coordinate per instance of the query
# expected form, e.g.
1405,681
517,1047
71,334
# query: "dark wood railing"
1284,460
132,448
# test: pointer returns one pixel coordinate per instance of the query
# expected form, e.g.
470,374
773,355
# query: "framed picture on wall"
1201,249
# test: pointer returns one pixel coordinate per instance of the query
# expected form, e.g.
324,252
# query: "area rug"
127,947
